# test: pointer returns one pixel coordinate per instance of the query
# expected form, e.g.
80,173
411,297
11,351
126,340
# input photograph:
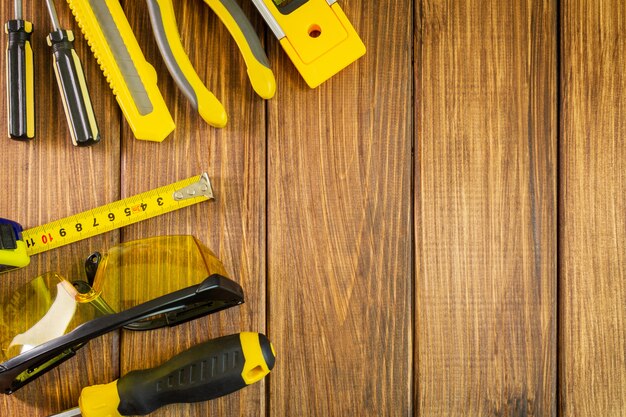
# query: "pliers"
178,63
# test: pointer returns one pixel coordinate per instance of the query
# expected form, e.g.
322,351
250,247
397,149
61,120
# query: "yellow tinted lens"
128,275
42,310
136,272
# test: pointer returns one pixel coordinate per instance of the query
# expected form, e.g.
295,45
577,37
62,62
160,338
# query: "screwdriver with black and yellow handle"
204,372
72,85
20,78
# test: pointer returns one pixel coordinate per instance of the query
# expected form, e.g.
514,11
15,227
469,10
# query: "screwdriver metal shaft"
20,78
18,9
72,84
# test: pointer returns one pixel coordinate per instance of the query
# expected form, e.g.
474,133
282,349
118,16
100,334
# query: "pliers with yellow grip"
134,81
178,63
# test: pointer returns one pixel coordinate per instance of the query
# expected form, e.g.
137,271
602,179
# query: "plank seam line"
559,111
266,249
416,45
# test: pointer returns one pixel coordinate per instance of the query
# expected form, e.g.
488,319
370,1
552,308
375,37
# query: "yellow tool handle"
204,372
180,67
20,80
79,112
317,36
132,79
15,257
258,67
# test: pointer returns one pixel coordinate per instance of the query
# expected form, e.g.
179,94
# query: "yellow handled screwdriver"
210,370
20,79
72,85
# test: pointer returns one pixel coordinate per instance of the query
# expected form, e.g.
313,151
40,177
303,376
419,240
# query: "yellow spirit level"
316,34
17,245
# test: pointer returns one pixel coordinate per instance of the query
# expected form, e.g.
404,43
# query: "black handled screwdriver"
72,85
20,79
204,372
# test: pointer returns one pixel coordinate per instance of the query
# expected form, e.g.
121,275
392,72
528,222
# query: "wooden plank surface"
48,179
485,208
339,238
395,230
592,321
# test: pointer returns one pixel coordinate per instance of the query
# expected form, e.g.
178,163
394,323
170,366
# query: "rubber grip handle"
204,372
73,88
179,66
20,81
258,66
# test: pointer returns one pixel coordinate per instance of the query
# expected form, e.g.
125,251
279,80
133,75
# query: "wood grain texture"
339,238
233,226
48,179
485,208
396,230
592,321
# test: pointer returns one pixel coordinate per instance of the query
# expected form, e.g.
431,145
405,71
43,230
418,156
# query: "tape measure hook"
200,188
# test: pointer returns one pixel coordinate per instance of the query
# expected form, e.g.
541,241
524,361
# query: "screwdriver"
212,369
20,81
72,85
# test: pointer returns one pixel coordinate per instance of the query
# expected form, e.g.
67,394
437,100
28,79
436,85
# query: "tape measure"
17,245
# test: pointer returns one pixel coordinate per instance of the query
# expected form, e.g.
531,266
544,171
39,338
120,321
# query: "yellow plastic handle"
197,374
259,71
318,37
14,258
100,401
180,67
131,77
20,80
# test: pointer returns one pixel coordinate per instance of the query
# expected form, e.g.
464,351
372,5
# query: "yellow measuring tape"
106,218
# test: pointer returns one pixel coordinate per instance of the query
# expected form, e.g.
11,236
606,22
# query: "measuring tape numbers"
15,251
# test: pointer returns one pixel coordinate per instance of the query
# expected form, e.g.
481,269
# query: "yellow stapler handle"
180,67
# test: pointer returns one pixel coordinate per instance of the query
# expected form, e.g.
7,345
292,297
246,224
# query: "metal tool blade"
122,56
69,413
202,187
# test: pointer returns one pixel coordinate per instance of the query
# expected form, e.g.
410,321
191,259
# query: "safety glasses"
139,285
